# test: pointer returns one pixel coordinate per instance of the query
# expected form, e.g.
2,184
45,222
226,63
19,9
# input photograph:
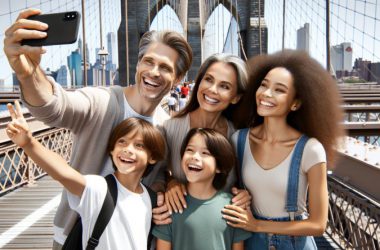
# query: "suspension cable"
200,26
260,42
240,39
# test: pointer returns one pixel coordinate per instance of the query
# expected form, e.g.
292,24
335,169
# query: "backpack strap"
242,137
105,213
153,200
293,177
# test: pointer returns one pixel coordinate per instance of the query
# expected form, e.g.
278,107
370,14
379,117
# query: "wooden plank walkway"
26,215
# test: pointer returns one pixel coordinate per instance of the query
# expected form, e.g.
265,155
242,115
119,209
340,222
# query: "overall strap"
293,178
242,137
105,213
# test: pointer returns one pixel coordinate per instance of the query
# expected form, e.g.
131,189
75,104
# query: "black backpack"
74,239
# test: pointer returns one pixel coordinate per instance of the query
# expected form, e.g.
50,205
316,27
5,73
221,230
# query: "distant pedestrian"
172,102
185,89
178,88
182,102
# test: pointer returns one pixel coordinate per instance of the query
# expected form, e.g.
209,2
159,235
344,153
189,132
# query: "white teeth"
150,82
127,160
192,166
268,104
210,99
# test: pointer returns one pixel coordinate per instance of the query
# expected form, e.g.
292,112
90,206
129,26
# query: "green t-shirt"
201,226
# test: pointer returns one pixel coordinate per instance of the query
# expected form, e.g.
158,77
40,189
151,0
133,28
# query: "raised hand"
24,59
18,129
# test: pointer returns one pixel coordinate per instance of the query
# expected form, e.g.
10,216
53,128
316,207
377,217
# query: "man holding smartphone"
91,113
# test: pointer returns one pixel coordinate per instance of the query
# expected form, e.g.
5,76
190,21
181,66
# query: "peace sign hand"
18,129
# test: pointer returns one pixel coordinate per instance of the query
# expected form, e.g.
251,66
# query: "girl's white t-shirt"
269,187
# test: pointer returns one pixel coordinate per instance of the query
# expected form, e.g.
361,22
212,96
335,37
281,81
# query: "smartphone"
63,29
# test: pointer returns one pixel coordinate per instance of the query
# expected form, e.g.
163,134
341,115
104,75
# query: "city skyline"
352,21
56,56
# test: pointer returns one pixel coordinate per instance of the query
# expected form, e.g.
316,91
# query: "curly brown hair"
320,115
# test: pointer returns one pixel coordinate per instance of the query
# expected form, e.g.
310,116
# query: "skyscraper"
63,76
375,72
74,62
112,48
341,57
80,46
362,67
303,38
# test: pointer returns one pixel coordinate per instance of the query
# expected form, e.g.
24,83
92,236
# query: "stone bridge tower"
136,15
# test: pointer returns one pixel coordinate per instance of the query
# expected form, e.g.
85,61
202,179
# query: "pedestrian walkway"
26,215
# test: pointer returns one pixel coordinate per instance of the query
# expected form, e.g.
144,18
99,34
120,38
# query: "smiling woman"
293,127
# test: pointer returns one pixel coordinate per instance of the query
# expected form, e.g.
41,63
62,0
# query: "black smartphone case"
63,29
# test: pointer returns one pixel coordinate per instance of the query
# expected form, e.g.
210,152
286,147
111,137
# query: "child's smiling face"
197,162
130,154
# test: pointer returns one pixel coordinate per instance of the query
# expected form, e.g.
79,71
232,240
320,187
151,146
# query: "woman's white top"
269,187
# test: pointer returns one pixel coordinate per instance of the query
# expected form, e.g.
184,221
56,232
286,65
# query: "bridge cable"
158,23
240,39
221,20
260,41
201,26
231,31
148,14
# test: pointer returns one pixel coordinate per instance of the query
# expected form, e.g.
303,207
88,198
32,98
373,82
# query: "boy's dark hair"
152,137
220,149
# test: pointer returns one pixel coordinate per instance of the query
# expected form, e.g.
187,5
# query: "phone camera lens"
70,16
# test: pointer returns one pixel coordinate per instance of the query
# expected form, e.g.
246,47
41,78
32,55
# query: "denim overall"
276,241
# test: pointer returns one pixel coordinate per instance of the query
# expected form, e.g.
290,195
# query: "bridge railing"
17,168
354,219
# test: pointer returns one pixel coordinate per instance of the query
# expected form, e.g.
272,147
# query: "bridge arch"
220,33
193,15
